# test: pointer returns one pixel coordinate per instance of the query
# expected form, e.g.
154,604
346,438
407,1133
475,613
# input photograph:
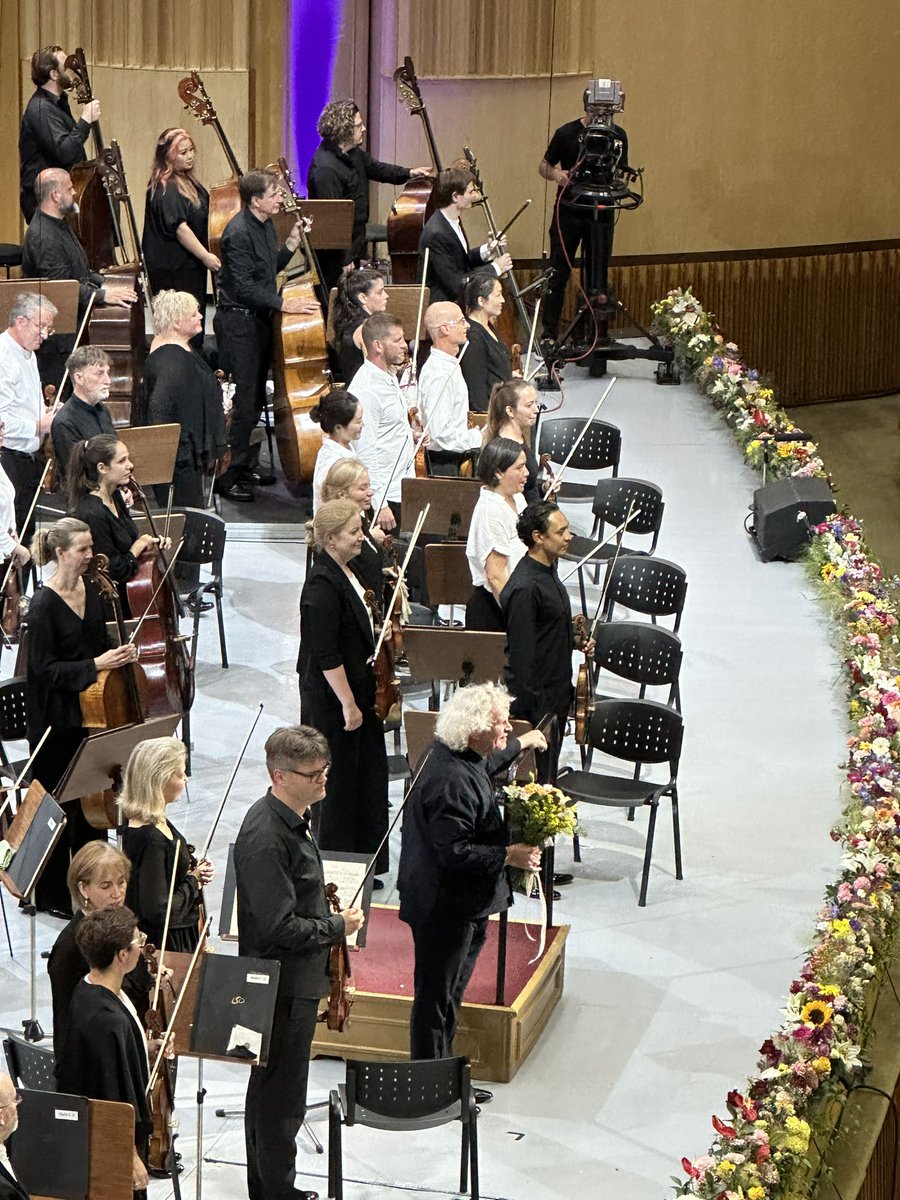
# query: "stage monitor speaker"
783,513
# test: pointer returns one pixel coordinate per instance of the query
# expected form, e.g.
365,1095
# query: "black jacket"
10,1189
335,174
485,363
454,839
49,136
282,909
450,267
75,422
52,251
334,630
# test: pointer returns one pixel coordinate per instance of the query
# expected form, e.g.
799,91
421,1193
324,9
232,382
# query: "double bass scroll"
224,200
415,204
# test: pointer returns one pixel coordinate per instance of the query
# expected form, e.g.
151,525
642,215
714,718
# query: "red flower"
689,1169
762,1153
725,1131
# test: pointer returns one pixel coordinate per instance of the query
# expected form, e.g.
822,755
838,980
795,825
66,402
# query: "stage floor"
664,1007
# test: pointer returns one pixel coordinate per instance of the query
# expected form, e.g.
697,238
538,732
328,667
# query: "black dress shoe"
377,885
482,1095
297,1194
261,478
561,878
239,492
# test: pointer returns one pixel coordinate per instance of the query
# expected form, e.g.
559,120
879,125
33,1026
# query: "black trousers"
24,474
574,231
446,952
547,761
244,341
276,1101
483,613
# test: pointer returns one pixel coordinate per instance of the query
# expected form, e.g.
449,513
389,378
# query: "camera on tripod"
602,177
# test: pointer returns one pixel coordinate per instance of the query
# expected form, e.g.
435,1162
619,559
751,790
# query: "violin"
162,1094
46,450
584,685
13,602
388,696
341,996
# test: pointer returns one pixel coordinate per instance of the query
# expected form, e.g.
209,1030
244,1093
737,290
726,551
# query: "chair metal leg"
648,852
464,1156
473,1152
676,832
186,737
221,620
576,847
335,1163
6,924
195,635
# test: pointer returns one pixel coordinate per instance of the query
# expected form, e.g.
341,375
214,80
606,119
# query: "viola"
46,450
341,995
162,1094
584,685
224,199
13,601
388,695
415,204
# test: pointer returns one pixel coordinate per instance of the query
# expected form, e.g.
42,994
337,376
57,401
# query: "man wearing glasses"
10,1188
283,914
443,395
25,420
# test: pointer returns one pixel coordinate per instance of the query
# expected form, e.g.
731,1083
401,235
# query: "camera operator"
570,227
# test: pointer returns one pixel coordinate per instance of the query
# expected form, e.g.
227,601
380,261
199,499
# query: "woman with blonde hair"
513,413
337,686
348,479
154,779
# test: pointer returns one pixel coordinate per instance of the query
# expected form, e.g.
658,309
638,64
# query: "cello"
224,200
415,204
300,371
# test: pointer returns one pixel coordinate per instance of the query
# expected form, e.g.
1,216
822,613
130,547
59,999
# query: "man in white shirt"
450,261
25,420
386,442
443,394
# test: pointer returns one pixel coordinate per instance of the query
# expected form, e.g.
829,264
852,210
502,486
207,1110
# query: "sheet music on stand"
346,872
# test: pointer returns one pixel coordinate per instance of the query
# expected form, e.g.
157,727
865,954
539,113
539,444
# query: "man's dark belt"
251,312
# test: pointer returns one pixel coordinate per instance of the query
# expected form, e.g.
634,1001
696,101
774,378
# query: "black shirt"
52,251
250,261
336,174
77,421
113,535
565,145
282,909
49,136
485,363
540,639
350,357
180,388
153,857
166,208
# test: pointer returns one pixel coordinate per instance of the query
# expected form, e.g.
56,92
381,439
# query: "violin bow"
596,549
212,829
413,368
182,993
162,948
12,791
584,429
386,622
531,335
156,592
25,524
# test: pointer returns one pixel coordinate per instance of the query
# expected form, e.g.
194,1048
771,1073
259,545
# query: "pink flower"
844,893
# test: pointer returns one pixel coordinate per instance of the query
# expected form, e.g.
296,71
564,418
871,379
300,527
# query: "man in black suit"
10,1188
450,262
283,914
454,856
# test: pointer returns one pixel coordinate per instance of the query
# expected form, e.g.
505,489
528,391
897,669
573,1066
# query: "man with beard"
84,414
52,251
49,136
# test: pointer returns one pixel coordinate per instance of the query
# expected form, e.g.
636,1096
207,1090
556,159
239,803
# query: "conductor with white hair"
454,856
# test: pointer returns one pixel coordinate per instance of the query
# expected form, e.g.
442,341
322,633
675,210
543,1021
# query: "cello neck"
429,137
227,150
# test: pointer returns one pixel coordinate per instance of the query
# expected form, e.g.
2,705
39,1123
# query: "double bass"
415,204
224,200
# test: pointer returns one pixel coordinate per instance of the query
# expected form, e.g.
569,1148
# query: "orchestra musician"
493,547
98,469
540,637
84,414
248,298
386,442
22,411
154,779
453,858
337,686
348,479
49,136
487,361
513,413
175,241
179,387
52,251
10,546
67,647
105,1053
443,396
451,263
97,878
341,170
359,294
283,914
339,415
10,1188
570,229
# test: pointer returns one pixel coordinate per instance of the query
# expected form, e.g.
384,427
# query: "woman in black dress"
512,413
337,687
97,470
67,647
487,361
97,878
154,779
105,1052
175,241
179,387
359,294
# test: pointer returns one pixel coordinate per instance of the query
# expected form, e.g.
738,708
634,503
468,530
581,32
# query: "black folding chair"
647,655
598,450
204,545
29,1066
652,586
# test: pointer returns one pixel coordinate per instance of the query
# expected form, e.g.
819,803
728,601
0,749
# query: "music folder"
50,1149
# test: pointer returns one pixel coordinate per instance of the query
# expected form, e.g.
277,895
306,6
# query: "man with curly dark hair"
341,170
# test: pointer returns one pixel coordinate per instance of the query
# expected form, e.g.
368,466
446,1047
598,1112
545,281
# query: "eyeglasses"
140,940
46,330
312,776
458,321
12,1103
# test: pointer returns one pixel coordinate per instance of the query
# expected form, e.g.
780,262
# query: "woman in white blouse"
339,415
493,548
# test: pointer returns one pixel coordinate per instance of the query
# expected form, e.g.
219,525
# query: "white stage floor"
664,1008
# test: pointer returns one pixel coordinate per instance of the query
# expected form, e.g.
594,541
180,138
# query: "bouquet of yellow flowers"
538,812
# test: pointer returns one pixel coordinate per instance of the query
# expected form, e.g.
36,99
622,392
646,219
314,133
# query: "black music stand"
452,504
33,835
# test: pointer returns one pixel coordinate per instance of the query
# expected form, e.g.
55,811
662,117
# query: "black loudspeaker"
783,513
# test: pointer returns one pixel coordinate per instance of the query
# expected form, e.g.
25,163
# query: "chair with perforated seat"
645,654
641,732
598,450
13,725
204,545
645,584
405,1097
29,1065
613,500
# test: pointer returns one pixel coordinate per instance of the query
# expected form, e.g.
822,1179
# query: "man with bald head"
10,1188
443,394
52,251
